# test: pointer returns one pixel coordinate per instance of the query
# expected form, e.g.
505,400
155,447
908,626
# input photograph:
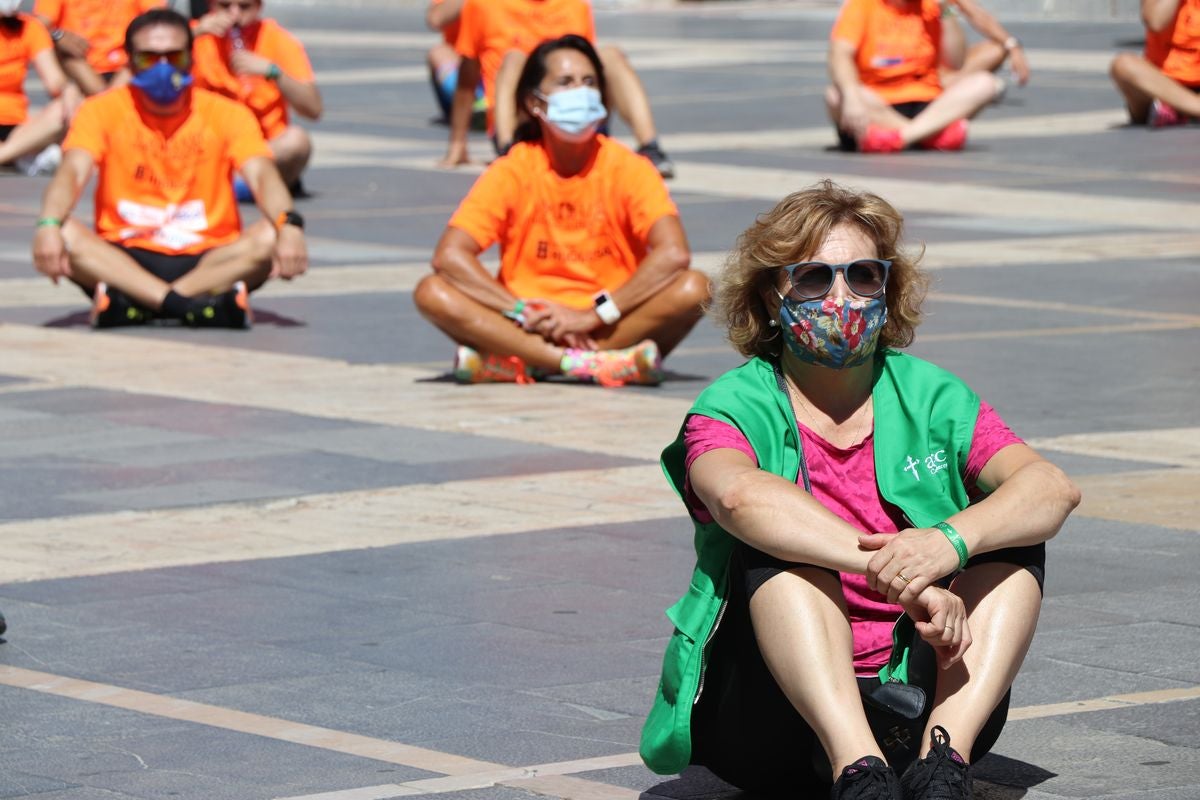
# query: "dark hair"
528,129
157,16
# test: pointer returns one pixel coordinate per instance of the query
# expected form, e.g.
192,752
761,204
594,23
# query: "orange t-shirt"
897,46
565,239
490,28
165,184
1176,50
269,40
17,49
101,22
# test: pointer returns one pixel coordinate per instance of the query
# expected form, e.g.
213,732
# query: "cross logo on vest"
934,463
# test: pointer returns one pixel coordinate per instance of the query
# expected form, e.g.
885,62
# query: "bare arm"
843,71
460,112
456,260
300,95
290,257
772,514
49,249
1157,15
1030,502
51,74
439,15
981,20
668,256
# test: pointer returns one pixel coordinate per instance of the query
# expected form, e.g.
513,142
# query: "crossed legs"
1141,83
39,130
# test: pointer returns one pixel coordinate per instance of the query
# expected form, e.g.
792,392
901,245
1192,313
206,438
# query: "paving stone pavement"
299,562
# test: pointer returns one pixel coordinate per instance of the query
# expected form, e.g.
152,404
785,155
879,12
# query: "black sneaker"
869,778
111,308
941,775
227,310
3,626
658,158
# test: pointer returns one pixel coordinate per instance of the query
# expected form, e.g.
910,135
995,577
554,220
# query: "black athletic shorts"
164,266
849,144
6,131
746,731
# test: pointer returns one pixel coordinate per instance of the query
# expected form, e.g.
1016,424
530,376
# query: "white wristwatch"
606,308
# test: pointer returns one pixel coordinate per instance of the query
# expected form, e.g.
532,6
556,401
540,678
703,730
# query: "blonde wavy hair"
792,232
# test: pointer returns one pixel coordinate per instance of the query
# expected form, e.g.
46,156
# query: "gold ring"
900,575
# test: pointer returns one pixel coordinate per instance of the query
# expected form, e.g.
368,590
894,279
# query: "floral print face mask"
832,332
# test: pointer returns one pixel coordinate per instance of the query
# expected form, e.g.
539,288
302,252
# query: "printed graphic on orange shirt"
174,226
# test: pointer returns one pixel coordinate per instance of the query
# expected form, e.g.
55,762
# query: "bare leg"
36,132
666,318
982,57
247,259
94,260
1140,82
803,631
628,95
878,112
504,115
1003,602
468,322
963,100
292,150
442,61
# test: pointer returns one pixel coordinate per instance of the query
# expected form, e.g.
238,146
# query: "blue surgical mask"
162,83
574,114
832,332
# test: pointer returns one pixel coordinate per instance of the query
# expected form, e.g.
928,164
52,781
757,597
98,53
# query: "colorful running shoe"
869,778
1164,116
471,366
226,310
951,137
640,364
943,774
880,140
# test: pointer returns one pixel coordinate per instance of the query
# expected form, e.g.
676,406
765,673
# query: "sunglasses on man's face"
225,6
811,280
145,59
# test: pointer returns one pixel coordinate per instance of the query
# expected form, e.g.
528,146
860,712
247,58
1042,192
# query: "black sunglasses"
811,280
145,59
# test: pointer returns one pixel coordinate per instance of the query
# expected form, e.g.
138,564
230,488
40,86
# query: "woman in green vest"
837,485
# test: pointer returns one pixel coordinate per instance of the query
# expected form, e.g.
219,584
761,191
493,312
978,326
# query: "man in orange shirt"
168,240
594,281
256,62
885,60
443,59
23,41
89,36
493,40
1162,87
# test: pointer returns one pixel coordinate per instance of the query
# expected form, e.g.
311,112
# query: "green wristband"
44,221
274,73
517,312
956,539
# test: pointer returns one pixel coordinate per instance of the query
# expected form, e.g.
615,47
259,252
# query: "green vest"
924,424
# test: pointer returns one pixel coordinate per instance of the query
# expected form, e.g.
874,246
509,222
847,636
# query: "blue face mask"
834,333
574,114
162,84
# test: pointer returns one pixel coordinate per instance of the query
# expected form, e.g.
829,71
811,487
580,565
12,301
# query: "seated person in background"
594,281
258,63
884,60
494,38
443,59
989,55
168,240
24,136
838,485
89,37
1162,87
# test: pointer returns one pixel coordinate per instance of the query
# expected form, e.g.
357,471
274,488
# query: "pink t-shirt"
844,482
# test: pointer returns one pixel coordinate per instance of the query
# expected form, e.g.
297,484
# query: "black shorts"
849,144
164,266
746,731
6,131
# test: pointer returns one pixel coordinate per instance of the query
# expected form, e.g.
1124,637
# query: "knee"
833,98
1122,65
434,297
692,289
262,235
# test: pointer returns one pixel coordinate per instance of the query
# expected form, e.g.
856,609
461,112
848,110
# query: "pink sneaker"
471,366
1164,116
951,137
880,140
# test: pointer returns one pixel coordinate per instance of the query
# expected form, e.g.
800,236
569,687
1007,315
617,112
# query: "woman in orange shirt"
24,41
1162,87
594,281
